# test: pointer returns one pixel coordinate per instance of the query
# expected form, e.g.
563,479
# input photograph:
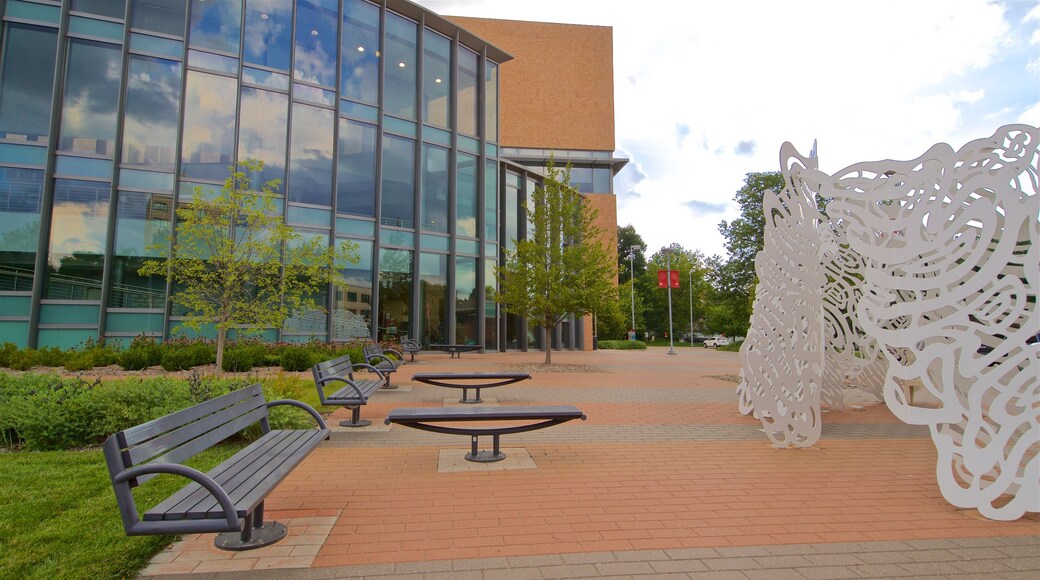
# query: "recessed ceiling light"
264,16
314,33
361,49
400,64
437,81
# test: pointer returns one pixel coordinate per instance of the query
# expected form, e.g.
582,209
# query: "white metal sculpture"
927,274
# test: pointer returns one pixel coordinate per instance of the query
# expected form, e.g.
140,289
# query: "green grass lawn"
58,515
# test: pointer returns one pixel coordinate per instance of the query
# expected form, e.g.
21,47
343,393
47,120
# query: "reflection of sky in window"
209,125
435,188
27,81
310,159
216,24
79,220
360,80
436,78
467,92
465,277
268,33
315,58
110,8
21,200
88,120
466,196
399,92
150,123
356,190
143,221
265,122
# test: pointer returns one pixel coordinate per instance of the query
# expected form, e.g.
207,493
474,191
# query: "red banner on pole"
663,277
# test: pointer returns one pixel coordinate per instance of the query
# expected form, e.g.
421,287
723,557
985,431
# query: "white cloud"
869,80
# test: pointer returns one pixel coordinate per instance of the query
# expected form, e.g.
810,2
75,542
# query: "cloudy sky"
706,92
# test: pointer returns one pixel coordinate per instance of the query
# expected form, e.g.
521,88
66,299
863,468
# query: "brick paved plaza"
665,479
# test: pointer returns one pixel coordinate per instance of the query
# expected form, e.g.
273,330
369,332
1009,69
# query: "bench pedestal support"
484,456
250,538
355,419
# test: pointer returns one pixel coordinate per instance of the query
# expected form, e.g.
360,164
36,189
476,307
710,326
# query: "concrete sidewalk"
665,479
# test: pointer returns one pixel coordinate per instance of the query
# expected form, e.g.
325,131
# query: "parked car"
716,341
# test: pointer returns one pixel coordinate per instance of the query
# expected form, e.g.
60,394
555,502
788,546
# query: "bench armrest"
377,357
367,367
411,342
399,355
302,405
342,379
195,475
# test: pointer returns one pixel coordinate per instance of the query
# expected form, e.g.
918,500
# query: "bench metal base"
358,423
269,533
484,456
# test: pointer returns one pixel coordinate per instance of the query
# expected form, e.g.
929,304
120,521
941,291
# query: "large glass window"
150,123
27,83
142,230
356,187
88,118
316,25
466,196
398,182
163,16
110,8
21,201
268,33
491,101
209,126
395,293
433,298
352,304
509,212
78,237
310,156
581,179
435,189
466,100
400,73
491,200
360,78
265,124
466,300
436,79
490,307
216,24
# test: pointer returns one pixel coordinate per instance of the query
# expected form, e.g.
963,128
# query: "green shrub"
183,355
23,360
6,351
179,359
51,356
733,347
299,358
622,345
237,360
80,361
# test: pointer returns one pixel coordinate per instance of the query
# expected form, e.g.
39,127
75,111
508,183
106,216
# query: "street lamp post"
671,333
632,280
691,305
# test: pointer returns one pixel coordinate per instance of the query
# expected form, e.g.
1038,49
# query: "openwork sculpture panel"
931,273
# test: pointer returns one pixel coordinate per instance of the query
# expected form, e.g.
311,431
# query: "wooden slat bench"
432,419
456,350
351,392
229,499
375,355
466,381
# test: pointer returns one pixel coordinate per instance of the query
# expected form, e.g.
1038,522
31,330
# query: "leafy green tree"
236,264
563,267
744,235
655,300
630,242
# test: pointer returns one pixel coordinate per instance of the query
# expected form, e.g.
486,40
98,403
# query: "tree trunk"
221,338
548,345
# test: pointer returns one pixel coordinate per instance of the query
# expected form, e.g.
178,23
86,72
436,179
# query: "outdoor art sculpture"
895,275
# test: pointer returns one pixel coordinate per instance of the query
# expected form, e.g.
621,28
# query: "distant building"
416,136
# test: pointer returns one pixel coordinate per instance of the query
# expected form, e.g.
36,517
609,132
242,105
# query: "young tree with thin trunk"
235,263
563,267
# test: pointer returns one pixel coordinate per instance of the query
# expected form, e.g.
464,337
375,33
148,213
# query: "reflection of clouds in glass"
88,121
267,39
209,119
150,123
78,228
314,64
310,160
467,226
315,52
265,121
216,24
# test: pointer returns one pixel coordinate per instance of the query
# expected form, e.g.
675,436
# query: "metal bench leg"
386,383
465,396
255,533
483,456
355,419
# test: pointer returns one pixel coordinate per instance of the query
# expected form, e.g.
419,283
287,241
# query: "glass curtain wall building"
379,118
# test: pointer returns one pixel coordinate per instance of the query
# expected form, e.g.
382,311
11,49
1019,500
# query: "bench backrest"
179,436
373,349
339,366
